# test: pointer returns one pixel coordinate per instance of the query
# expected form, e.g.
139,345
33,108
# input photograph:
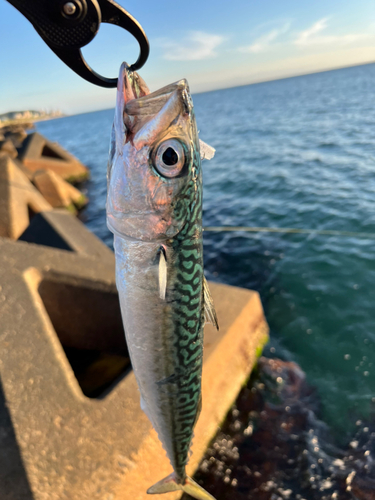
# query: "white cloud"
196,46
263,42
305,36
312,36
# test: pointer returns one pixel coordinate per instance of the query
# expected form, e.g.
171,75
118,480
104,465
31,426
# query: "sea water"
296,153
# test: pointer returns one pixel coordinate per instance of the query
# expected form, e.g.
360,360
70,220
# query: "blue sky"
213,44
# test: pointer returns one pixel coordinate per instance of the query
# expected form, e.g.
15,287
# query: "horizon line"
285,77
298,75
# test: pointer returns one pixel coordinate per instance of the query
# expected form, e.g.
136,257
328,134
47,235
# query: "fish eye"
170,158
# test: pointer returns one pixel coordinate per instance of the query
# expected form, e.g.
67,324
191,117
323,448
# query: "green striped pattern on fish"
188,325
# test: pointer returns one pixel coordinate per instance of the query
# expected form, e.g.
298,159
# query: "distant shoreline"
28,121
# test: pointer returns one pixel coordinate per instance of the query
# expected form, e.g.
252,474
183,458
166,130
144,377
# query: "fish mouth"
136,104
152,103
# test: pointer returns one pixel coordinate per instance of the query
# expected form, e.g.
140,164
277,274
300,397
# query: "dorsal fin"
209,308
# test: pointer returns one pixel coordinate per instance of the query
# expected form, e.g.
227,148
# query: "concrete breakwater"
35,175
70,422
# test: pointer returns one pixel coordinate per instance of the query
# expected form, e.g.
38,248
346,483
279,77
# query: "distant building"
29,115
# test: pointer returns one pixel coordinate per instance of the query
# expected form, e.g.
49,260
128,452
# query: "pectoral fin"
162,274
207,152
209,308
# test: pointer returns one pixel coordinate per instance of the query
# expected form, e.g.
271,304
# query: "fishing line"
246,229
288,230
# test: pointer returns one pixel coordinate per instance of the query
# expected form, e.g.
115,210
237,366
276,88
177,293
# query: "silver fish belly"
154,209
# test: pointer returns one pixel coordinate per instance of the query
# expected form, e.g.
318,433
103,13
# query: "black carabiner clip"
68,25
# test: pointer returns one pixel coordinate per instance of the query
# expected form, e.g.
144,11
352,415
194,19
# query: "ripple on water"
273,445
291,153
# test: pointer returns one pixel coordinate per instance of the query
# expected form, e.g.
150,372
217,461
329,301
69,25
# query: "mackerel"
154,209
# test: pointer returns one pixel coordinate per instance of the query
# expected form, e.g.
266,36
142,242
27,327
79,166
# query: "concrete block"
59,193
72,400
23,169
38,153
19,199
16,133
59,229
7,147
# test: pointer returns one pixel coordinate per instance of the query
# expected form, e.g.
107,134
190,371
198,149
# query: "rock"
273,445
19,199
58,192
38,153
362,486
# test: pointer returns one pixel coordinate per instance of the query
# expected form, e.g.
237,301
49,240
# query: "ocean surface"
296,153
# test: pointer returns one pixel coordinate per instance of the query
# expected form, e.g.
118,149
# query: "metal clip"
68,25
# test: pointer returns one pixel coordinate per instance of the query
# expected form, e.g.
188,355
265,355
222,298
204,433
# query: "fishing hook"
68,25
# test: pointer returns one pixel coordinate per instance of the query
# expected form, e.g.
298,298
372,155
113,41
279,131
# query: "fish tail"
188,485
